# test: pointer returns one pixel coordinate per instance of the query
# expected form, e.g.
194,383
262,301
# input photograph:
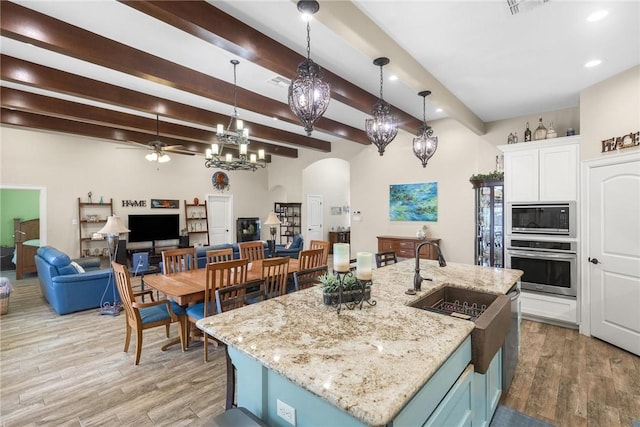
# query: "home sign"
134,203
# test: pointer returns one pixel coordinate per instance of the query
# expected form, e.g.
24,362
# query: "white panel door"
220,219
614,252
314,218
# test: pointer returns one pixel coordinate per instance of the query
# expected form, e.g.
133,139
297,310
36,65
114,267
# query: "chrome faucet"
417,279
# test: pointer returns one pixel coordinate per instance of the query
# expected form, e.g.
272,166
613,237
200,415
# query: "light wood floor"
71,371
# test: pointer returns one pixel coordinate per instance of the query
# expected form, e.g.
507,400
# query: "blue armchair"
292,251
65,288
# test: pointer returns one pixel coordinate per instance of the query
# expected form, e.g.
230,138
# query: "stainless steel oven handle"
541,254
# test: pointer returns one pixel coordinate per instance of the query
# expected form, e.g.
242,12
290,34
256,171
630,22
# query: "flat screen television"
148,228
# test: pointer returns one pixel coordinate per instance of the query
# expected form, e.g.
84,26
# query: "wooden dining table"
187,287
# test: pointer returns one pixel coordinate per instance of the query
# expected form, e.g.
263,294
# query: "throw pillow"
288,245
77,266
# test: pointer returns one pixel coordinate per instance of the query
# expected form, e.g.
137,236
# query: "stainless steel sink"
490,313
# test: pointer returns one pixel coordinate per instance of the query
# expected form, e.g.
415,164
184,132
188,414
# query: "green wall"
23,204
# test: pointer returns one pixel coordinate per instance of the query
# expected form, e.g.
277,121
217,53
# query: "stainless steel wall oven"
549,266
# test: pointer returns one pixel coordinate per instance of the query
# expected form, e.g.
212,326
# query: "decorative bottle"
527,134
551,133
541,131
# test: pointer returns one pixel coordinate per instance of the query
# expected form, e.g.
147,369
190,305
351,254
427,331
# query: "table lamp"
273,222
112,229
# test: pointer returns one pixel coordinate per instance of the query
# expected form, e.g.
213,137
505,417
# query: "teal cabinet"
456,409
487,389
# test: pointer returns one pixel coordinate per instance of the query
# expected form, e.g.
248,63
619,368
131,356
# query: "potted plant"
351,289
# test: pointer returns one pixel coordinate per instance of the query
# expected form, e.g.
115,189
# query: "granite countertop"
368,362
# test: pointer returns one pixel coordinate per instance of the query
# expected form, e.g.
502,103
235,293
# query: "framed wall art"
165,204
413,202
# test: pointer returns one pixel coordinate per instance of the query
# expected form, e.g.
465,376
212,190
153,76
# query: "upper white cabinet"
541,170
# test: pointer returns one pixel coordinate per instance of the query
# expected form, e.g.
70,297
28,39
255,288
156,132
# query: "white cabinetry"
541,171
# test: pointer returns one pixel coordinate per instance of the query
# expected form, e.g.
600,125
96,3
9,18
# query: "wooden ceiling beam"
203,20
26,25
145,128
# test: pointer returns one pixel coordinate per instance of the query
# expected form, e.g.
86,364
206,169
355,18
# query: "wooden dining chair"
274,276
229,298
145,315
385,258
310,258
307,278
217,255
251,250
176,260
219,275
324,245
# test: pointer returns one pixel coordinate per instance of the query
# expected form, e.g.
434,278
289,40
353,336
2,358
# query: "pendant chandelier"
237,135
383,127
425,145
309,95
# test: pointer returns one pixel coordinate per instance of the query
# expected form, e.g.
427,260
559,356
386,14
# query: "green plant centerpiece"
352,289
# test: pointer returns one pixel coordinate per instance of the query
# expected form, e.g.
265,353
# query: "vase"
333,298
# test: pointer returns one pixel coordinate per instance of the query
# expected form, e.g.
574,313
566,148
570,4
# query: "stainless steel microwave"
554,218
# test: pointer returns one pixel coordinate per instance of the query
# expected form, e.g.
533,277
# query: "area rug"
507,417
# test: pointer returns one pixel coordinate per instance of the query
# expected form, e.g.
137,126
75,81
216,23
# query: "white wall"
610,109
70,166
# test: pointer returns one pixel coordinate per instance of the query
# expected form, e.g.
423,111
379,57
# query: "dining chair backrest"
145,315
309,277
236,296
324,245
385,258
222,274
310,258
251,250
274,276
178,260
123,282
217,255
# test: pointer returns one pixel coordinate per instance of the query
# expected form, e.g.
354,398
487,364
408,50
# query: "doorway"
611,237
315,230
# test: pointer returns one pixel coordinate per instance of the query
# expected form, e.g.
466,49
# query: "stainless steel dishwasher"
511,346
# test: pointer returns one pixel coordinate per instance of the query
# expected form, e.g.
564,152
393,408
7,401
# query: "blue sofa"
201,252
293,251
65,289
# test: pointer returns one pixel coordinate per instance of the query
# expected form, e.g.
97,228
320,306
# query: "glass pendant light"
425,145
309,95
383,127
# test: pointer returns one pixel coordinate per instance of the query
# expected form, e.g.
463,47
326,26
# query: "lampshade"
113,226
272,219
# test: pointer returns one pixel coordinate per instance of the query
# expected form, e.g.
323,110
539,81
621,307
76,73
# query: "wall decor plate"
220,181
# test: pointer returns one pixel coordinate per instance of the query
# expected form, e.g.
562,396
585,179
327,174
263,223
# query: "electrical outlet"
286,412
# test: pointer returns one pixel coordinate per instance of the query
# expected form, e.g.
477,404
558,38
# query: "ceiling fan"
159,149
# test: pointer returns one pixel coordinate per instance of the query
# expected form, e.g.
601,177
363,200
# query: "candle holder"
355,296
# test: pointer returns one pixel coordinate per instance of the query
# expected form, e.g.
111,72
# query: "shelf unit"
92,217
290,216
196,219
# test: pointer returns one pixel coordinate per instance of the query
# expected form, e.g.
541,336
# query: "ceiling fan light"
163,158
152,157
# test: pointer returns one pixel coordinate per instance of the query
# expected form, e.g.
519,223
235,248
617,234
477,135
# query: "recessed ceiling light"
393,77
593,63
439,110
597,16
275,118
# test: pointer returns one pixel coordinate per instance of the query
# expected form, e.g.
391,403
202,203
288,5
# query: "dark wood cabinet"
290,216
338,237
405,247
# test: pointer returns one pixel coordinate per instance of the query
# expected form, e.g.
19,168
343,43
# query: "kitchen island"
361,367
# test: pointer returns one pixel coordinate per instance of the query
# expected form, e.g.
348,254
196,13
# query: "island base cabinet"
487,389
455,395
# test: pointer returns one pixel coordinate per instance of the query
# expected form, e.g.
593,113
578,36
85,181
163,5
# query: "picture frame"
413,202
336,210
165,204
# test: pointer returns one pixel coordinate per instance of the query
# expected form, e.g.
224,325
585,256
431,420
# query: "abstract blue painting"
413,202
